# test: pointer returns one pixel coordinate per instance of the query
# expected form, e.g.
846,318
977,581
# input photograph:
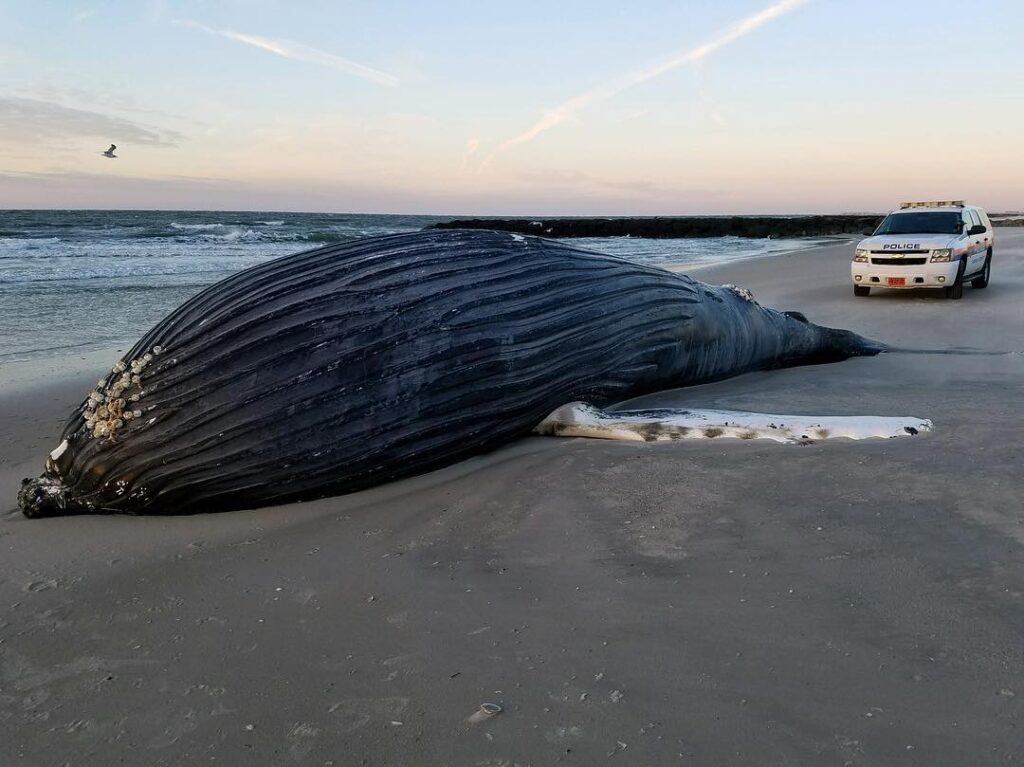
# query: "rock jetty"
677,226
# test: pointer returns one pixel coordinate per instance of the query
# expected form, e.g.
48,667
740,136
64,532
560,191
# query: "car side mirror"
977,229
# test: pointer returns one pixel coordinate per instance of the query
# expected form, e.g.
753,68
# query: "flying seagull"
110,152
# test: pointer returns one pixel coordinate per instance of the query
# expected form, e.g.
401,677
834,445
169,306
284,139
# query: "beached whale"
343,367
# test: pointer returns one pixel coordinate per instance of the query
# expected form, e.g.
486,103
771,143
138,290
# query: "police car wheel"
956,290
861,290
982,281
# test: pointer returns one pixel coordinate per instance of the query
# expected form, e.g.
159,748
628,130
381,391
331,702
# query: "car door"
977,245
989,236
966,241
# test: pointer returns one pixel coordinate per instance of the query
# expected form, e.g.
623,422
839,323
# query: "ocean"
76,281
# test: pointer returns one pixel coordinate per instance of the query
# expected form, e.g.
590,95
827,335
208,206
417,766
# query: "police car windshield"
921,222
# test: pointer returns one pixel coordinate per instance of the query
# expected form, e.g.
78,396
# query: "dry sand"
718,602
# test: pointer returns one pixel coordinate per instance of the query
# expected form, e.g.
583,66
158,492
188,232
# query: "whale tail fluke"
841,344
811,344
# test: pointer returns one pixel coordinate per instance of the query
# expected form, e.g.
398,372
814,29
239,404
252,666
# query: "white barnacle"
59,450
138,414
136,379
147,357
157,349
134,398
743,293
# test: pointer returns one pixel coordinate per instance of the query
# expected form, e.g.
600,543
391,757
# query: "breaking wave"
195,227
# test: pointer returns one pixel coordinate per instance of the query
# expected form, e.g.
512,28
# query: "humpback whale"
335,369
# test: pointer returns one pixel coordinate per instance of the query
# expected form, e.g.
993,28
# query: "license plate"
896,282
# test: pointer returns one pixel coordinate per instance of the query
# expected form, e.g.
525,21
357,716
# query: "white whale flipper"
578,419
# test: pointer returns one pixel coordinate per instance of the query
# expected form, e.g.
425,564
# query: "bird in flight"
110,152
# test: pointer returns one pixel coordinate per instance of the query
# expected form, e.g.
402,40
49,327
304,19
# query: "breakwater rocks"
677,226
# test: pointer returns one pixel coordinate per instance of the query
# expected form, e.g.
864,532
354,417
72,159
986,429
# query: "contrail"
567,109
290,49
472,145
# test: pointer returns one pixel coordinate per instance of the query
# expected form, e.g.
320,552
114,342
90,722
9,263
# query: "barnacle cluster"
114,400
743,293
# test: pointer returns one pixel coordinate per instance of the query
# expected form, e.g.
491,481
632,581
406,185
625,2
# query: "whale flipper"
578,419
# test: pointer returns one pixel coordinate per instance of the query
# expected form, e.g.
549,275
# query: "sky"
474,107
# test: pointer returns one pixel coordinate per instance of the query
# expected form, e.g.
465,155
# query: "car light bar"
933,204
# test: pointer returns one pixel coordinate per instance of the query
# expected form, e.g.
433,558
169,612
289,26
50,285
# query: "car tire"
982,280
956,290
861,290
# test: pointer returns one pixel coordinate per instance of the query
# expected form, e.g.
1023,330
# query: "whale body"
335,369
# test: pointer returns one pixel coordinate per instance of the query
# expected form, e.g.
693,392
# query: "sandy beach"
707,602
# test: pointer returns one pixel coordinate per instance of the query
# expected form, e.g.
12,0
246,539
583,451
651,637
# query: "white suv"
926,245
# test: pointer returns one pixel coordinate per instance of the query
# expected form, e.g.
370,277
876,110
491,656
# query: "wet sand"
705,602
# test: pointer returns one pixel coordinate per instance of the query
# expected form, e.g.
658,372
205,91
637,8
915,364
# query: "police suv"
926,245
